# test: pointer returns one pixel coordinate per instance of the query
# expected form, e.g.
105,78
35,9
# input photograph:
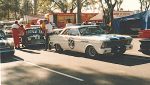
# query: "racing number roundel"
71,43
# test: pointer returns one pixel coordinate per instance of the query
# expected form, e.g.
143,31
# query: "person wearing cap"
86,23
15,34
69,23
48,32
22,34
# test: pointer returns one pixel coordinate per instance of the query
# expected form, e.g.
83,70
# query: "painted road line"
79,79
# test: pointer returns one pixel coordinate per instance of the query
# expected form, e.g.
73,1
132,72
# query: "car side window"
73,32
65,32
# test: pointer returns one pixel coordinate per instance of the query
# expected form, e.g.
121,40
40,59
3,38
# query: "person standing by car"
15,34
22,35
43,26
86,23
69,23
48,32
98,23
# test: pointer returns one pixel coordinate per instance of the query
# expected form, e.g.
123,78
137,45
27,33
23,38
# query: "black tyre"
58,48
91,52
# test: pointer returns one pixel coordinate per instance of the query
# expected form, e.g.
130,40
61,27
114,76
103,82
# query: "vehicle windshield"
2,35
54,27
103,24
91,30
8,28
34,31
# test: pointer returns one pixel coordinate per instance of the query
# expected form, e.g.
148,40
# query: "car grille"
117,43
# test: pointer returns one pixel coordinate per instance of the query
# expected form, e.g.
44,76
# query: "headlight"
104,45
129,41
29,38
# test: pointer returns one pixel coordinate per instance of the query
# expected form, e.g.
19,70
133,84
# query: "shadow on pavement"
28,51
127,60
8,58
31,75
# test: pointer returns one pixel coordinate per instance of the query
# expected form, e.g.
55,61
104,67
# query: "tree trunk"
35,8
79,18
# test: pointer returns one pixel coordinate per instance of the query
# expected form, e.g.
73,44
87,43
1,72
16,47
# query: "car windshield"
54,27
34,31
91,30
2,34
8,28
103,24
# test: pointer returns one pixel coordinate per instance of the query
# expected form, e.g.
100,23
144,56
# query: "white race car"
90,39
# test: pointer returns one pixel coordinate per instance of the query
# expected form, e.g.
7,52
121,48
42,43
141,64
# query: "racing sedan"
90,39
6,46
34,36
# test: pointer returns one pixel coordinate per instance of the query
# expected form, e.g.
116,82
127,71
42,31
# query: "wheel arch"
89,45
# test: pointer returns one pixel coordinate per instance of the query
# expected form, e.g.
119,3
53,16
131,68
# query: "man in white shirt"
48,32
69,23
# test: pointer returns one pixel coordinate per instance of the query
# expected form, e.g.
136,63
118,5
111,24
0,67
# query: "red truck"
145,42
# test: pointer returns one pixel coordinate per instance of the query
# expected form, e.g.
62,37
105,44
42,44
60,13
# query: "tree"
119,2
147,4
110,10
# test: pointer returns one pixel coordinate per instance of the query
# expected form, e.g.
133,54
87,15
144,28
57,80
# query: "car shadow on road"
35,47
10,58
126,60
28,51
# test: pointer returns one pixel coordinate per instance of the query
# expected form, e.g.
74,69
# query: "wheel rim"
92,51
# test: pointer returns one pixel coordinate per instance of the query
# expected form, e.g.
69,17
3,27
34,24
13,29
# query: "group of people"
17,30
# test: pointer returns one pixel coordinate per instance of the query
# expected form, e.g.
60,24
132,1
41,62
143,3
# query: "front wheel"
58,48
91,52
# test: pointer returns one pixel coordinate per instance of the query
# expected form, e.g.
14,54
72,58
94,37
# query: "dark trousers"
47,45
23,39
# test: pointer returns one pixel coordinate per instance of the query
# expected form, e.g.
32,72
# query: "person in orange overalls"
15,34
22,35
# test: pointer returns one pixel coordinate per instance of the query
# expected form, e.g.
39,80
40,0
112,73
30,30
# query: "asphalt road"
33,66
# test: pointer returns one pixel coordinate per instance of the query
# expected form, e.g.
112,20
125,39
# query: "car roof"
81,26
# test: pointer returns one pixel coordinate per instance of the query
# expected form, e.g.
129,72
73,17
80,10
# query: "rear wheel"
91,52
58,48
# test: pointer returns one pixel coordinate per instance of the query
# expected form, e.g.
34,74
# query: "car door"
73,40
63,40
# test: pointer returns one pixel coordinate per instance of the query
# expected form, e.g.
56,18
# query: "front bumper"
115,49
5,51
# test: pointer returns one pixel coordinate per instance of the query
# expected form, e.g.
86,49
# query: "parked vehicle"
145,42
90,39
6,46
7,30
34,36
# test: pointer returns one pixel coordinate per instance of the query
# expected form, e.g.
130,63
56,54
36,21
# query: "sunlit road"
33,66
